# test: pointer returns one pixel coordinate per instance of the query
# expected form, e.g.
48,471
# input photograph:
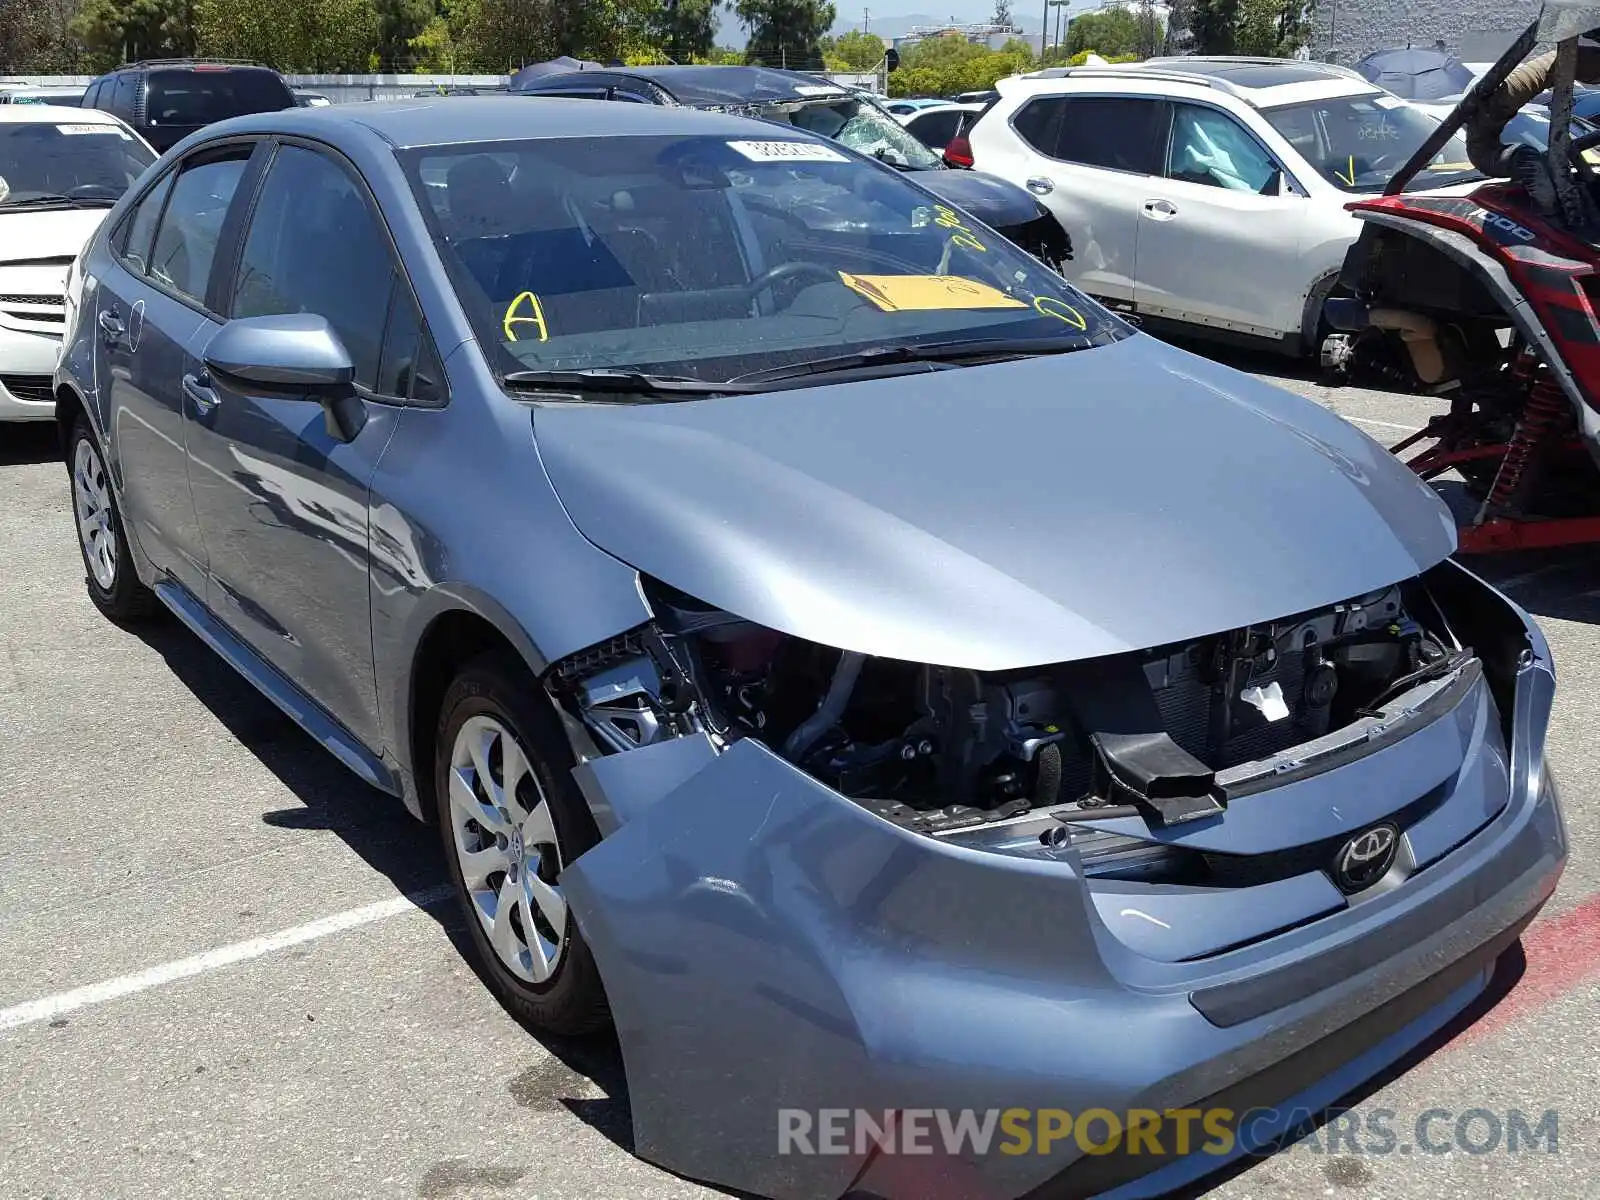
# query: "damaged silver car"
835,652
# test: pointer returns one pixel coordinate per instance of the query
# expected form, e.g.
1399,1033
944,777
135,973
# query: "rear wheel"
512,819
113,584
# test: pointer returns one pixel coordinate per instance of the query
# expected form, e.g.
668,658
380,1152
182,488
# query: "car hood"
994,201
1002,516
61,233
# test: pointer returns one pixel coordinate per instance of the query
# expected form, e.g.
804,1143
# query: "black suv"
168,99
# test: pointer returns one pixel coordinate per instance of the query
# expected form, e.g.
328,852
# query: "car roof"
1259,82
54,114
709,85
408,124
208,65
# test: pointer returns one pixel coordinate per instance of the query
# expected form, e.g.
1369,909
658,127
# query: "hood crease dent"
998,517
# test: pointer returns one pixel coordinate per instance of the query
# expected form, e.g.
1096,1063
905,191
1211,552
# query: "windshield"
72,99
79,161
864,127
1358,143
201,96
710,258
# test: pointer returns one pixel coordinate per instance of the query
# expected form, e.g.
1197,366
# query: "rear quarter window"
198,97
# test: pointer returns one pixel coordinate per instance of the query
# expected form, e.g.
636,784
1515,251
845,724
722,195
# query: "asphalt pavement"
225,968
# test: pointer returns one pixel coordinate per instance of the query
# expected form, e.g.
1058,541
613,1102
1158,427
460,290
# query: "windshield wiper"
606,379
968,350
75,202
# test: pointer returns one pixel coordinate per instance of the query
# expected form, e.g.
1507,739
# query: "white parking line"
52,1007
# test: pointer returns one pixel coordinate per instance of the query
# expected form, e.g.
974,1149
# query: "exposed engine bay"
936,749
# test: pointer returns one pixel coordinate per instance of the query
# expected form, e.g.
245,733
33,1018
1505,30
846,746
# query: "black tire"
572,1001
124,598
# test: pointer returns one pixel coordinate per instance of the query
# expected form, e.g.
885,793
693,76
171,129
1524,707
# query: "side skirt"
300,708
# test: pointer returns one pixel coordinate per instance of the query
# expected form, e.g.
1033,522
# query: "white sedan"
61,170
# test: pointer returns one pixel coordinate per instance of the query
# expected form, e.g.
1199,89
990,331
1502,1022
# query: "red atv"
1492,299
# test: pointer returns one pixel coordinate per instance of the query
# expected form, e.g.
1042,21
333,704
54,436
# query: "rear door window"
141,226
191,227
199,97
126,96
1117,133
1038,123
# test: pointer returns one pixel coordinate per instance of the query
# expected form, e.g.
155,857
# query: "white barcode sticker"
77,129
787,152
806,89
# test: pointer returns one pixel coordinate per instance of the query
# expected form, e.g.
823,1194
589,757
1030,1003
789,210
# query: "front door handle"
198,388
110,324
1160,210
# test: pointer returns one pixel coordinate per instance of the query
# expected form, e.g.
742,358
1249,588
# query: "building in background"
1474,30
982,33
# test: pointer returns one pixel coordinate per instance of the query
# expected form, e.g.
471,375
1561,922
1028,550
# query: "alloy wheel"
91,494
506,843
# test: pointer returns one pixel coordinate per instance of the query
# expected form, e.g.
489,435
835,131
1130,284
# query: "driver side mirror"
296,356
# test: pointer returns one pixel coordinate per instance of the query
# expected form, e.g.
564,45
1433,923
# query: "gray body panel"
851,963
1002,516
764,941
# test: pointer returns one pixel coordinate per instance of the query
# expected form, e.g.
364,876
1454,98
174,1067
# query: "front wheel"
113,584
512,819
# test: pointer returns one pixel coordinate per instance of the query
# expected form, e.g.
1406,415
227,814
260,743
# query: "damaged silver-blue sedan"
834,652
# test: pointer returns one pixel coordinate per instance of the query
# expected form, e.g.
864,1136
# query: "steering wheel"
789,270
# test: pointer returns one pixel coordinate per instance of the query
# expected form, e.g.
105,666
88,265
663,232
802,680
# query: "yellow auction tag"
921,293
535,316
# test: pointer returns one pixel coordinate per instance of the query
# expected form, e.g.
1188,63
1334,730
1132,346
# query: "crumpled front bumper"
767,944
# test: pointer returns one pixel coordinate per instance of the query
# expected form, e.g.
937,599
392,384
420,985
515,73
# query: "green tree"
1278,28
685,29
1111,31
399,23
947,66
20,35
785,32
1215,26
118,31
433,51
293,35
858,51
1002,13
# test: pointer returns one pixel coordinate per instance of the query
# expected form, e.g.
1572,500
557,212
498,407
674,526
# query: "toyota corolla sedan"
832,651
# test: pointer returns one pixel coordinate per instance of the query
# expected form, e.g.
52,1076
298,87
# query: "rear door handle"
110,324
1041,185
1160,210
198,389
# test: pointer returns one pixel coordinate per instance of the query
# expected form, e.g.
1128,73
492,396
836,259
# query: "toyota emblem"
1365,858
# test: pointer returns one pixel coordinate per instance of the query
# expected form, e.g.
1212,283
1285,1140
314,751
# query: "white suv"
1208,192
